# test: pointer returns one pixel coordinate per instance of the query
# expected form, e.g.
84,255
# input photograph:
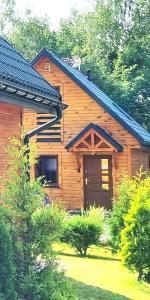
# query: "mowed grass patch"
101,275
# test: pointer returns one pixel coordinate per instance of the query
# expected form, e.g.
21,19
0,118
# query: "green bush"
120,208
48,284
7,271
47,226
135,237
83,231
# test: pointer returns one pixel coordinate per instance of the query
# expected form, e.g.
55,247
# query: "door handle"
86,181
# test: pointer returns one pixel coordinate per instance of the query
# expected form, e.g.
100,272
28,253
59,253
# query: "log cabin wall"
140,158
10,120
81,111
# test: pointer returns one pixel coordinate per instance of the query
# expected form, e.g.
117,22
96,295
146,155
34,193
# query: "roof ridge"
82,74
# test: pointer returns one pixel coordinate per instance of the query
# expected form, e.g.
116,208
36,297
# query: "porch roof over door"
93,138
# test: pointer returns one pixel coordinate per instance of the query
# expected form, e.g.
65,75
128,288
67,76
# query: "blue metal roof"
142,135
101,132
15,69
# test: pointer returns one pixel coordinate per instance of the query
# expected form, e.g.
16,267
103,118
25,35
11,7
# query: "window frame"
50,185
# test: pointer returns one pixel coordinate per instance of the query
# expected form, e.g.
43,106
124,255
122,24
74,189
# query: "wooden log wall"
82,110
140,159
10,120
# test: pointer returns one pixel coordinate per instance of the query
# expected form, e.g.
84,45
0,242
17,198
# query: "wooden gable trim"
92,145
93,138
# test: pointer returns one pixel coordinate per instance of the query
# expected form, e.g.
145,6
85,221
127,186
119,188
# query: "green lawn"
101,276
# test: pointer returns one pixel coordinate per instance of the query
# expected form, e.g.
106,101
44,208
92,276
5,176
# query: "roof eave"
146,144
28,99
23,102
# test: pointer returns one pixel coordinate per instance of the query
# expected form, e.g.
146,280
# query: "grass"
101,276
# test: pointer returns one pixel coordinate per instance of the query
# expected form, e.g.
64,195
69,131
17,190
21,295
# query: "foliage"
113,41
33,227
135,237
47,228
83,231
7,15
31,34
49,284
7,270
120,208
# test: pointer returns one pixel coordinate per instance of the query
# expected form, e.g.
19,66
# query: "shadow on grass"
90,292
88,256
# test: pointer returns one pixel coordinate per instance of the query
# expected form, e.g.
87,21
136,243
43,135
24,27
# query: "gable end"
140,133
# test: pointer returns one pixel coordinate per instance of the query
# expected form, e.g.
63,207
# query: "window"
105,174
47,67
47,167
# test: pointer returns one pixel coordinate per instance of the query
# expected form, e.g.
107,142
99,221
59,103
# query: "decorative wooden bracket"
78,159
115,160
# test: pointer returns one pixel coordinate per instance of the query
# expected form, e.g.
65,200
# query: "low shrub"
48,284
120,208
47,227
83,231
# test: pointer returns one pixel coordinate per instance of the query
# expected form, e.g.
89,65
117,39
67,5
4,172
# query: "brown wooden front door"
98,187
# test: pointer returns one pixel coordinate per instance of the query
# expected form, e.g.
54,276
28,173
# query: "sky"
54,9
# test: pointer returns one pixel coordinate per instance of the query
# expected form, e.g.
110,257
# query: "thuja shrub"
7,270
135,237
121,204
47,226
33,228
49,284
83,231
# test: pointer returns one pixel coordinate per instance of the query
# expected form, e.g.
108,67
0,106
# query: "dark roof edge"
101,131
45,52
31,102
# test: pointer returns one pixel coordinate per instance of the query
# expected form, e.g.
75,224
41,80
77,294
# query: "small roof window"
47,67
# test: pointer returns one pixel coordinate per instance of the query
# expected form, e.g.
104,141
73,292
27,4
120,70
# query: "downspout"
35,131
43,127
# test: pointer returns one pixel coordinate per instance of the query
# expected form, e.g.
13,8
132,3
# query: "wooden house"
20,87
84,156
